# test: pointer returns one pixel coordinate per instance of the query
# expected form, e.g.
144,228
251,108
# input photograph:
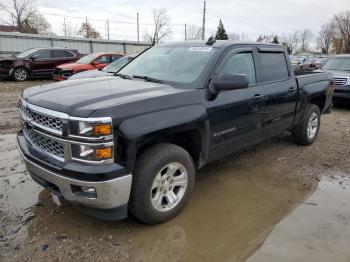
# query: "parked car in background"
86,63
36,62
110,69
316,62
339,65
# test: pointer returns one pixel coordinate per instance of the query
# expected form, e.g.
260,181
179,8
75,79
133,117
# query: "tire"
307,131
20,74
157,194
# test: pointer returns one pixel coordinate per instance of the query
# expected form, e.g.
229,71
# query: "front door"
41,63
236,116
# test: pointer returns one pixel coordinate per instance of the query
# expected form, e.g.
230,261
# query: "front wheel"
307,131
163,180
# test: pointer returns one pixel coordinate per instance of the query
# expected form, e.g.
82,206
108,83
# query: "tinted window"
42,54
104,59
274,66
242,63
61,53
116,57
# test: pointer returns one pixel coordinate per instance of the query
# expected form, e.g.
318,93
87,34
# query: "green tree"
221,33
275,40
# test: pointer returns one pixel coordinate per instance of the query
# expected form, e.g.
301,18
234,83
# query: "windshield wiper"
149,79
124,76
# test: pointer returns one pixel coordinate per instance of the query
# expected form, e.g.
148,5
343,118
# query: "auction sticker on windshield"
200,49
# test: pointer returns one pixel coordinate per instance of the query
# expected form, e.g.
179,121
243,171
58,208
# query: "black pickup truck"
133,141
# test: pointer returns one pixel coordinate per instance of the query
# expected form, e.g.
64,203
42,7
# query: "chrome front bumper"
109,194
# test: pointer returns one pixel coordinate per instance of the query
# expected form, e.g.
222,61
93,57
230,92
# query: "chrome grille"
41,119
340,81
45,143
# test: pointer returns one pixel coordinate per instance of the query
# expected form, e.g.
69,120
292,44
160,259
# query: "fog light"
82,191
89,190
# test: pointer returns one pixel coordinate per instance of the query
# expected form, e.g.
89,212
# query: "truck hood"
339,73
81,97
335,72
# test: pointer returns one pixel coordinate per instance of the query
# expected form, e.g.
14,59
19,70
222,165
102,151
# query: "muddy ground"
237,209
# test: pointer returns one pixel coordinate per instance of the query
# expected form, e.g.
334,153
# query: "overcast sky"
250,17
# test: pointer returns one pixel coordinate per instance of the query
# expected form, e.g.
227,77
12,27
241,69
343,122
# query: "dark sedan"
36,62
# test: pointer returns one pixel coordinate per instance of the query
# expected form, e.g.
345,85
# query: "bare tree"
161,26
291,41
305,38
70,29
234,36
86,30
39,24
194,33
326,37
341,42
24,16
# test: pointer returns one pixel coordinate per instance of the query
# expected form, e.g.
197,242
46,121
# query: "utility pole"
108,29
185,32
203,27
65,26
138,28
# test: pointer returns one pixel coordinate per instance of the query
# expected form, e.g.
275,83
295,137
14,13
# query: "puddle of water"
228,218
318,230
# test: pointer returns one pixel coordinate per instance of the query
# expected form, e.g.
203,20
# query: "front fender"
155,126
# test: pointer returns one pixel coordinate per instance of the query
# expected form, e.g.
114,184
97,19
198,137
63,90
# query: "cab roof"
218,44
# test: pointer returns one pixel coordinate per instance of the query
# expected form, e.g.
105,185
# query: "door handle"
258,97
292,89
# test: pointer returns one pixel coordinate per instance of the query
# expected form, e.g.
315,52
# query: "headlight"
92,153
348,82
91,127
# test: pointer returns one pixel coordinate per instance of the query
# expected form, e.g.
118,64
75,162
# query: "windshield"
87,59
339,63
172,64
116,65
26,53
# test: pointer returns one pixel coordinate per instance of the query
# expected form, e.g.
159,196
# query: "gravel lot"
235,206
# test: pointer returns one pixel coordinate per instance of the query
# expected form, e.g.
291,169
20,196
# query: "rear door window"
274,66
115,57
61,54
103,59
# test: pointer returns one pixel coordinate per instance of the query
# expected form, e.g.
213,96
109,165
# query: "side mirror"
94,63
228,82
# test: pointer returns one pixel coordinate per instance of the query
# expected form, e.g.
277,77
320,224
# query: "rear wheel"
163,180
20,74
307,131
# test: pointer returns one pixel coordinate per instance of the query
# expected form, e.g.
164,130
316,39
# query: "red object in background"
88,62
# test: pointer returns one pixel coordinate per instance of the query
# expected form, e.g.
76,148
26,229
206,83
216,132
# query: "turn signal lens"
103,153
102,129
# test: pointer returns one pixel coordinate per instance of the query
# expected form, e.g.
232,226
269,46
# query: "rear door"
41,63
236,116
61,56
280,90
